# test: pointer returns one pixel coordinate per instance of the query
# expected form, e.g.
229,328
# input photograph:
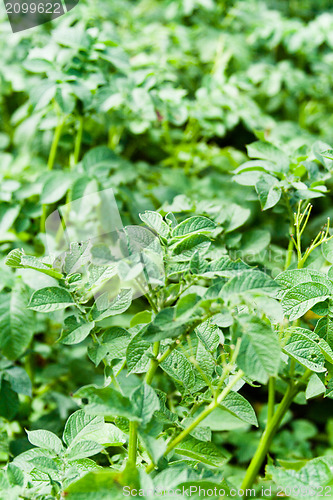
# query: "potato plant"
187,349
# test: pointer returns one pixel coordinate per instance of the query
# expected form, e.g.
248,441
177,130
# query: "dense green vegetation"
208,360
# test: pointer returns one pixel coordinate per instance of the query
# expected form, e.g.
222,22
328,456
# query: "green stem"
55,142
78,140
50,164
271,398
153,364
267,436
210,408
133,442
289,254
271,428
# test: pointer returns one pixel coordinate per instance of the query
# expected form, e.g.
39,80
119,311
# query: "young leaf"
155,221
16,322
136,354
50,299
145,402
196,224
104,309
75,331
19,380
206,452
237,405
83,449
79,424
301,298
304,350
47,440
259,355
185,249
268,190
178,367
250,281
17,258
106,401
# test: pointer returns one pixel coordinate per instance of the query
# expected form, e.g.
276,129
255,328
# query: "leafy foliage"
212,124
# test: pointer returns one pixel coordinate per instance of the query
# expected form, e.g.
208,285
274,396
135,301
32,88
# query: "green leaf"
178,367
100,485
50,299
17,258
16,322
301,298
15,475
186,306
47,440
315,387
104,309
141,318
164,415
75,331
196,224
145,402
9,401
209,335
136,354
116,339
328,154
314,475
13,259
236,217
327,250
304,350
237,405
225,267
78,255
44,464
254,242
267,151
250,281
290,278
206,452
268,190
79,424
165,325
155,221
106,401
324,328
83,449
38,65
55,187
99,160
259,355
108,435
189,245
19,380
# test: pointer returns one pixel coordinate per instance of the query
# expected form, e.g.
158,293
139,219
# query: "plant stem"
289,254
271,398
55,142
78,140
267,436
133,442
211,407
271,429
153,364
50,164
